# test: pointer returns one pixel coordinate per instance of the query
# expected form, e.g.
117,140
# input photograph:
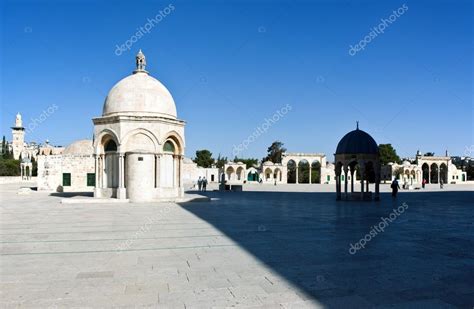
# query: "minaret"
140,63
18,142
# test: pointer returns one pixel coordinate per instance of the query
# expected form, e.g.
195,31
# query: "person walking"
199,183
395,186
441,184
423,183
204,184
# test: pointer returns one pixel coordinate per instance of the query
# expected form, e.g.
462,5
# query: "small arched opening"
434,173
291,174
315,172
303,171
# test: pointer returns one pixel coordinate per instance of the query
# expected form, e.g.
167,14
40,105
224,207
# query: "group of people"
395,186
202,183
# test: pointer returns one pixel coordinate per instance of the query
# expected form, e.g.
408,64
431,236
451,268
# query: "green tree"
6,153
388,154
221,161
9,167
275,152
248,162
470,171
398,172
204,158
4,145
34,165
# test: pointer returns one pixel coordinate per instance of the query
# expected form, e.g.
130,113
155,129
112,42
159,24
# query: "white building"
139,141
433,169
297,168
70,171
307,168
192,172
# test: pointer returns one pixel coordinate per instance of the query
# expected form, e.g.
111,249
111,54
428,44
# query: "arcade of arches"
303,172
295,168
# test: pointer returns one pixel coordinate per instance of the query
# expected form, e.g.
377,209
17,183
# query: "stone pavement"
243,249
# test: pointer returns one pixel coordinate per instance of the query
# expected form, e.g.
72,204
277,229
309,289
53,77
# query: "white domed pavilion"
139,141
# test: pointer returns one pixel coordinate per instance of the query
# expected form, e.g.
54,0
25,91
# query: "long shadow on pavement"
424,257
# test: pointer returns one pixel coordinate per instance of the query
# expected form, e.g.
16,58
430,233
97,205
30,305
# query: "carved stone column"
352,178
362,178
175,170
157,169
121,191
345,180
338,182
102,171
96,169
121,174
180,171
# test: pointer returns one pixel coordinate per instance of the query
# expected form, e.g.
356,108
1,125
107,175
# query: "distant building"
18,141
296,168
47,149
70,171
26,152
433,169
192,172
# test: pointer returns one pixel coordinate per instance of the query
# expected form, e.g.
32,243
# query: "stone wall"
12,179
192,172
51,169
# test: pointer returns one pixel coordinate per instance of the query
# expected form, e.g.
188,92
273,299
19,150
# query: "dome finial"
140,61
357,124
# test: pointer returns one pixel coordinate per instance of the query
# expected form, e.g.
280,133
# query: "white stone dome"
139,95
81,147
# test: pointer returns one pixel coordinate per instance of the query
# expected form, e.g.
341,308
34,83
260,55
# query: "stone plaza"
246,249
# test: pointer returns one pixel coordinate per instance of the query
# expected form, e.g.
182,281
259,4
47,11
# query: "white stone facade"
313,165
272,173
433,169
139,141
310,164
192,172
233,173
18,135
72,171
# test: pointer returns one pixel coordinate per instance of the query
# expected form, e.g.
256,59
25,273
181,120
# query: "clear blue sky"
231,65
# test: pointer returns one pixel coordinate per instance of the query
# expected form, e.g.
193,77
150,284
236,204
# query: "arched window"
168,147
110,146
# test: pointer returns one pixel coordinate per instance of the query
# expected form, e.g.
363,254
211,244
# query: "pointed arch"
127,140
176,139
103,137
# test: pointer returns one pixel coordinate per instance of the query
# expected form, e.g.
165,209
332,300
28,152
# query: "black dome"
357,141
